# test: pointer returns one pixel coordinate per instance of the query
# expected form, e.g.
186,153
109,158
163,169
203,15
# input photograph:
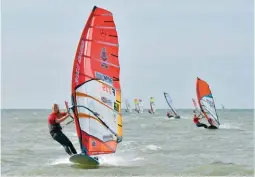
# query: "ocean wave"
152,147
219,168
229,126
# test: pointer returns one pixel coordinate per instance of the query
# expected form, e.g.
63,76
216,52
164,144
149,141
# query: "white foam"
118,160
153,147
186,117
167,118
229,126
138,158
112,160
60,161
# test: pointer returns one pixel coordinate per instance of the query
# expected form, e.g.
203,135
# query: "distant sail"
206,102
137,107
128,106
169,102
141,105
96,92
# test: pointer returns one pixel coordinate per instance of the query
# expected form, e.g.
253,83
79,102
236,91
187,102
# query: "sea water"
153,145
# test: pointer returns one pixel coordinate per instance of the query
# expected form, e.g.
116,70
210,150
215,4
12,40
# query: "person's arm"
200,115
59,120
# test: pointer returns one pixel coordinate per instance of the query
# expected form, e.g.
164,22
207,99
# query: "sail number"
108,89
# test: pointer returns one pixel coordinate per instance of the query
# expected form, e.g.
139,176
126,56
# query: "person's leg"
205,126
59,138
212,127
69,144
68,150
201,125
72,148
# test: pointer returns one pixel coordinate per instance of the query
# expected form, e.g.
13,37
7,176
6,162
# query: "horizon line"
125,108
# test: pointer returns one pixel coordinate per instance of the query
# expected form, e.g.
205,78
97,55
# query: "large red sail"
95,85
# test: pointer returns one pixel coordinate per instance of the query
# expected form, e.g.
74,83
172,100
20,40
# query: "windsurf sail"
137,108
206,102
140,103
96,92
169,102
128,107
152,105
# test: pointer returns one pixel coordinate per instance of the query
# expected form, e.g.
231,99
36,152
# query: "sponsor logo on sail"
104,77
108,89
107,137
77,69
106,101
103,33
104,57
93,143
116,107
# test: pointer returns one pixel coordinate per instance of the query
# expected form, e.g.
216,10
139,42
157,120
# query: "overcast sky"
164,46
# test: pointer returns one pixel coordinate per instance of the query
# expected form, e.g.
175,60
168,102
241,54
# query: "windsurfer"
54,120
169,115
196,120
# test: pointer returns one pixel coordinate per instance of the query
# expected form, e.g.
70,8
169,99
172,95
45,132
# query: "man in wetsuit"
196,120
54,120
169,115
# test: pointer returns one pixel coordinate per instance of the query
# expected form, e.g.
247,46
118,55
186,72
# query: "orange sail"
96,92
206,102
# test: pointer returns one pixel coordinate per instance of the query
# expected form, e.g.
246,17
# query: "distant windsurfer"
152,104
54,120
197,118
169,115
140,103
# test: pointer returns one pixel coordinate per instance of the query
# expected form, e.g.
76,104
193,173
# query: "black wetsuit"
212,127
205,126
201,125
169,115
59,136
